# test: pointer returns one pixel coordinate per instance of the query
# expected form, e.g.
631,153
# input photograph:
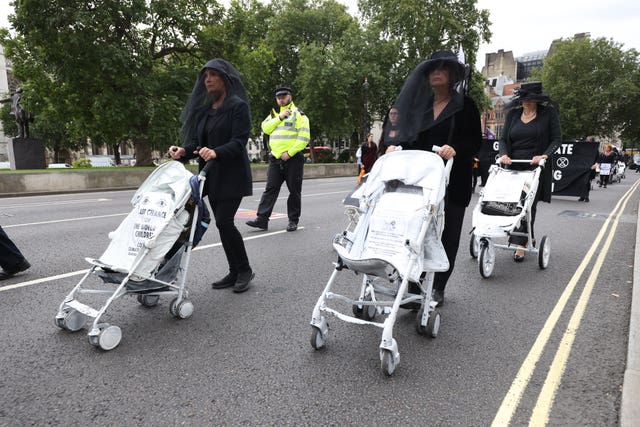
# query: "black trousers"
280,171
10,255
453,219
523,240
224,212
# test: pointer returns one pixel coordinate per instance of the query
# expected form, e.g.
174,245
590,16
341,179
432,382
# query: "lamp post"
365,88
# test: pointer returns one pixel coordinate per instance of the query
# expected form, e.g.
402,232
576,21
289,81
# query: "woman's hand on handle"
505,160
176,152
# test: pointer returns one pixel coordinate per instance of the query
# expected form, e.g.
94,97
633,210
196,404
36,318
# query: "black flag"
571,164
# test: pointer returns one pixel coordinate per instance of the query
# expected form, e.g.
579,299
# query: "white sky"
528,26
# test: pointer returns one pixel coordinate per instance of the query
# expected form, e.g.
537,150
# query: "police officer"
288,130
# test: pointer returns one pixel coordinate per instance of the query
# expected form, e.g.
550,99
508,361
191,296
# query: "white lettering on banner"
566,149
147,220
557,175
496,146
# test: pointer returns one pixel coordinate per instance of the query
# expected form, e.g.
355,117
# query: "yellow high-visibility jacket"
291,135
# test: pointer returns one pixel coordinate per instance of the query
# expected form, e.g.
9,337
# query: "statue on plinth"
22,116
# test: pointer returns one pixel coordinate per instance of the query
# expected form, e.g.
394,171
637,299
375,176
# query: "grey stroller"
148,255
392,239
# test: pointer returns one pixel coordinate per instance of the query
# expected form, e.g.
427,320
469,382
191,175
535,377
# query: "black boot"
226,282
260,223
243,281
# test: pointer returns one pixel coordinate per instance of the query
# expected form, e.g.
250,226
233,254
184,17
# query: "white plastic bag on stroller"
148,254
393,238
504,203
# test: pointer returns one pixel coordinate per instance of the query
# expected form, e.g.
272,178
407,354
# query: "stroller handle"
448,164
527,161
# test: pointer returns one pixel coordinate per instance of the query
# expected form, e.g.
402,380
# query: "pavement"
630,405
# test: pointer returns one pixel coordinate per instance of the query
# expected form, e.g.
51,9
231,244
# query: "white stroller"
618,172
147,257
393,238
504,203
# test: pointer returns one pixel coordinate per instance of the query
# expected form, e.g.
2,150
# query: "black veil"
415,101
200,100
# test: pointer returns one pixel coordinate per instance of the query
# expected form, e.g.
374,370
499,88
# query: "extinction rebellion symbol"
562,162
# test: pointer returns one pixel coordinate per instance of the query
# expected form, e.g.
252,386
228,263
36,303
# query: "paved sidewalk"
630,406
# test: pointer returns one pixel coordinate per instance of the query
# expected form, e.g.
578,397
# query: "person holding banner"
531,131
605,163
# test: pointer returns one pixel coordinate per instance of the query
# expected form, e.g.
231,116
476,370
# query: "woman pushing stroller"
531,131
432,112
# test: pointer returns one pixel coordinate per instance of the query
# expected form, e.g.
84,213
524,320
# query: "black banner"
571,164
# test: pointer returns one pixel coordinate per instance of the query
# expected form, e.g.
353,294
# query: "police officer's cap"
283,90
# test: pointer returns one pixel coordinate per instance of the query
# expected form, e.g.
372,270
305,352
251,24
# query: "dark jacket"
548,140
465,139
226,130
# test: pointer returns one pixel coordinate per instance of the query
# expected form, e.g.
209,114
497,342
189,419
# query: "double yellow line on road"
540,414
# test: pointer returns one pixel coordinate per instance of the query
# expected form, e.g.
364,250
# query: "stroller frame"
73,315
381,278
487,227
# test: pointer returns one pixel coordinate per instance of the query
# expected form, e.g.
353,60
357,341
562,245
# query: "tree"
125,67
600,97
416,28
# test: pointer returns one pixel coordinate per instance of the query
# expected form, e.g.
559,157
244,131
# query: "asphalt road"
521,346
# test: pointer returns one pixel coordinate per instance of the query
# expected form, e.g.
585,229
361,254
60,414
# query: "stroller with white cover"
504,203
392,238
147,257
618,171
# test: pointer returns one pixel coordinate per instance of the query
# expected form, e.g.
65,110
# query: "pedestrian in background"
288,128
215,128
605,163
11,259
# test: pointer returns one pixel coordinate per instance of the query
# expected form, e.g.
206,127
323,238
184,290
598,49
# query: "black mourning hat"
448,59
283,90
531,91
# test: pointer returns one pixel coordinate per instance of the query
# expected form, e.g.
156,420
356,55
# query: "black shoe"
586,199
292,226
22,266
243,281
517,257
226,282
581,199
260,223
437,295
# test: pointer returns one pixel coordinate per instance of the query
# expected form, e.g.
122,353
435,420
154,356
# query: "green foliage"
344,156
82,163
597,86
118,71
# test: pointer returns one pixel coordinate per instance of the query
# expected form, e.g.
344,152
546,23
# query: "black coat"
225,130
465,139
549,138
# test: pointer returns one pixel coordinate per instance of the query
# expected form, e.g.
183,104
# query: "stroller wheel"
148,300
357,310
107,338
318,340
71,320
387,362
432,327
486,259
544,252
182,309
368,311
474,245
